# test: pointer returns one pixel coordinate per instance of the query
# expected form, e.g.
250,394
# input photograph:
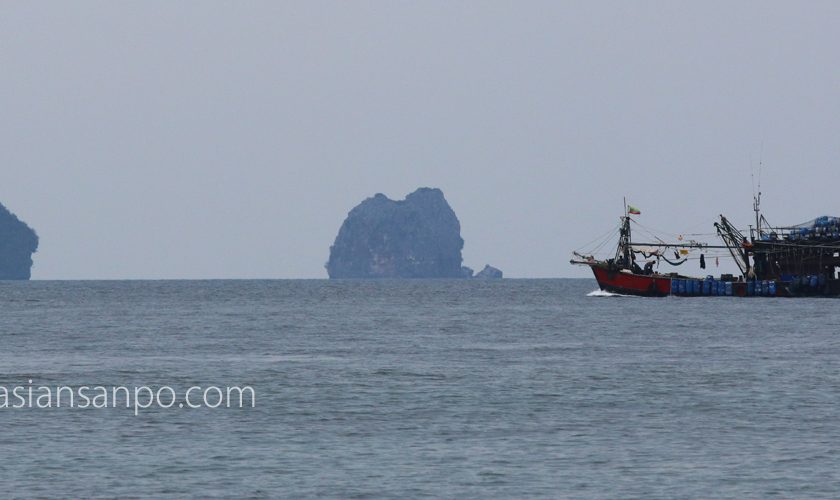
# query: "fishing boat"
802,260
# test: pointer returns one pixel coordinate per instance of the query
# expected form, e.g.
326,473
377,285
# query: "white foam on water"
604,293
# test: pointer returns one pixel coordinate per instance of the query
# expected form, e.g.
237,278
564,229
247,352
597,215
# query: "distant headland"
419,237
18,242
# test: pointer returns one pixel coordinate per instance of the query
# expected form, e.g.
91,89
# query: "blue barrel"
698,287
718,287
765,287
707,287
758,290
814,281
771,289
728,288
675,287
681,287
750,288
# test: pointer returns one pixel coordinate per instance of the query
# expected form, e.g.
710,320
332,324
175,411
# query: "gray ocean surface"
408,389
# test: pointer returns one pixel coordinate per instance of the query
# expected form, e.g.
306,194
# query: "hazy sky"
230,139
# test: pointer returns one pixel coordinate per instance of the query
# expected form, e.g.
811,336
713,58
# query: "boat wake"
603,293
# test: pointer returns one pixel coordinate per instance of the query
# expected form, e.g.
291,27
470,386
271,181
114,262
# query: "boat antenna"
760,164
757,198
757,208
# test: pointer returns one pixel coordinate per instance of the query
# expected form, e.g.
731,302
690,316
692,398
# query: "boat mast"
757,200
623,250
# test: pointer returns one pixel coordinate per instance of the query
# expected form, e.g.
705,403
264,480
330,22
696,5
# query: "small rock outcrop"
419,237
18,242
489,273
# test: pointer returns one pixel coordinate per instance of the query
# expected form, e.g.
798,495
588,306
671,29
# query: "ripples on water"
516,388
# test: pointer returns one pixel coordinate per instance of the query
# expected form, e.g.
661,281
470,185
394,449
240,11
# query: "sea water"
404,389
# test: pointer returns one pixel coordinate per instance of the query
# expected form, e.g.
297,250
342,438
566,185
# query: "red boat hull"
631,284
643,285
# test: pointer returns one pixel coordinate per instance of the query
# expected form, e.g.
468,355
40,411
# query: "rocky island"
419,237
489,273
18,242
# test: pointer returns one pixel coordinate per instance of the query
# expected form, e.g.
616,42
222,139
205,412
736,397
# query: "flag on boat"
633,210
